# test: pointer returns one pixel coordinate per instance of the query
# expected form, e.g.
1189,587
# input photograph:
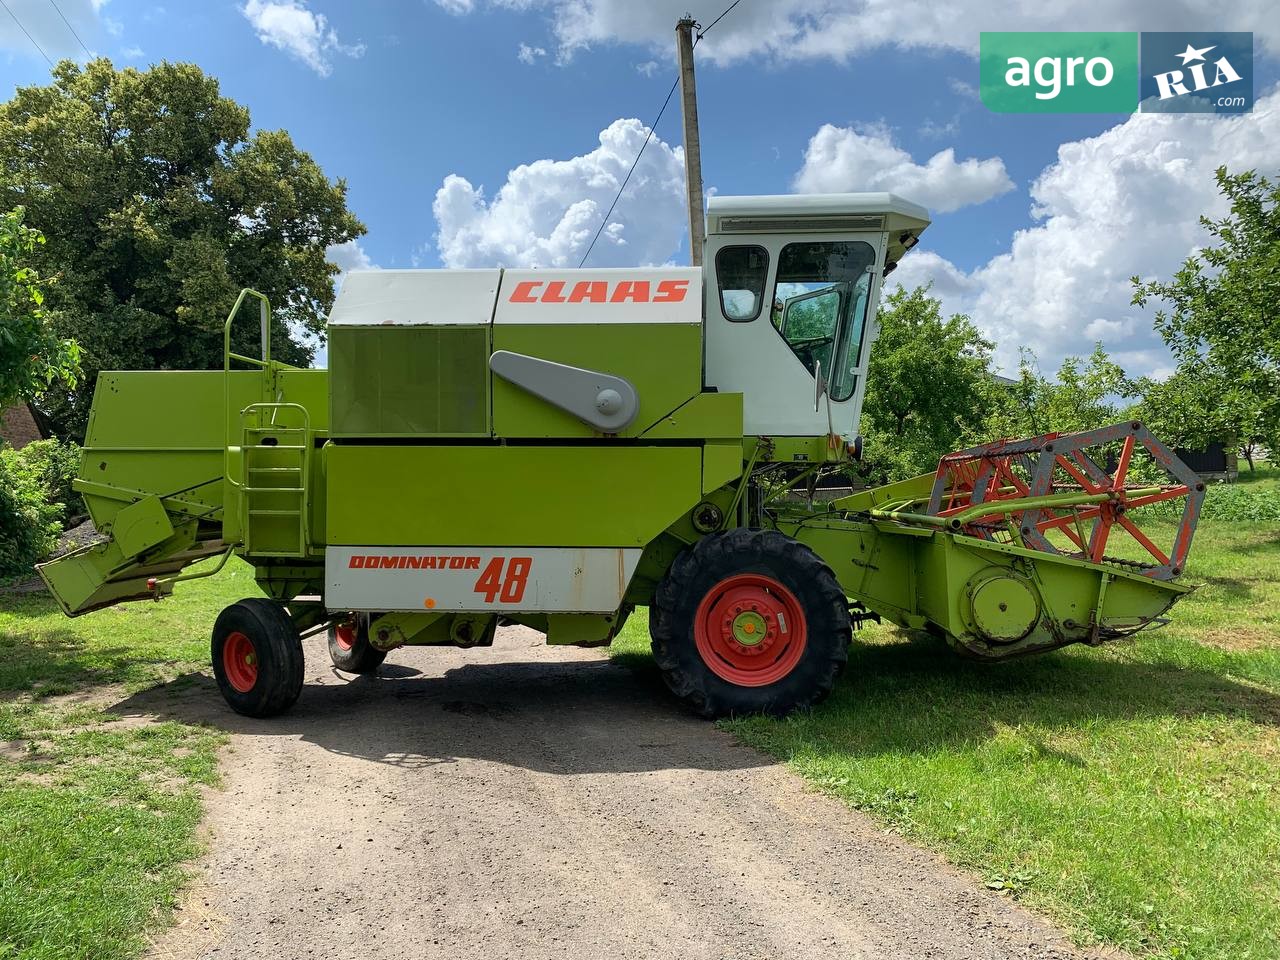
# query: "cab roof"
821,213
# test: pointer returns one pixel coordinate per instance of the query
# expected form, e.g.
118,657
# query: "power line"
652,127
24,30
86,50
719,18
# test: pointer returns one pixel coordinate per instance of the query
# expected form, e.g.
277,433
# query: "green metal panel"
875,568
309,388
705,416
161,432
414,381
663,361
573,496
141,525
797,449
175,410
721,463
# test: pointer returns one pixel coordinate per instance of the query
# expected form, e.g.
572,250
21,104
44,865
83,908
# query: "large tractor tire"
257,657
349,646
750,621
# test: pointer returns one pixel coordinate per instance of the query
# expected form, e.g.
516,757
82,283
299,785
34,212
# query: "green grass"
98,815
1265,476
1131,792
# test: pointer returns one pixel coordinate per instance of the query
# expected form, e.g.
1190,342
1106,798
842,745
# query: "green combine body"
555,448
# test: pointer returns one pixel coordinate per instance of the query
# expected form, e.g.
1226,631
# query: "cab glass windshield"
820,307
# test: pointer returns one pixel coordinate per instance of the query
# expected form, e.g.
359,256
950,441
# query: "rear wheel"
750,621
349,646
257,657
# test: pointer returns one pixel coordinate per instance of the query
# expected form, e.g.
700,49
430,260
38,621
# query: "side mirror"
819,385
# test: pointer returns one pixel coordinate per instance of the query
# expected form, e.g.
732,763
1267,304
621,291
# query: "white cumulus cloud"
547,212
292,26
1123,203
843,160
786,30
349,256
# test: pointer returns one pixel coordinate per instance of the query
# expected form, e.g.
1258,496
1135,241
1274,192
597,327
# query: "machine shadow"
589,716
598,716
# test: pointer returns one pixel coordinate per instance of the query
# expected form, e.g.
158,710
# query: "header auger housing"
557,447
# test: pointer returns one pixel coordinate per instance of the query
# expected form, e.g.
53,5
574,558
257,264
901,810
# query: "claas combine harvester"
557,447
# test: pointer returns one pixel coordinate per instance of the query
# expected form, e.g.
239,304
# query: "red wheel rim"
345,634
240,662
750,630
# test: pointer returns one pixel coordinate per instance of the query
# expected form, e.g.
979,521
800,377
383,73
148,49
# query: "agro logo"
599,291
1173,83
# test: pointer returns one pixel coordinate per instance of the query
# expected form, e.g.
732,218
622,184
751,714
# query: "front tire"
750,621
349,646
257,657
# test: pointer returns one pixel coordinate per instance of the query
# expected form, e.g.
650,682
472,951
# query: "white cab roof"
815,211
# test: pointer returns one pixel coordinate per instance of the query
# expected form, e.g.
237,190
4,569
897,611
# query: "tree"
159,206
1082,396
32,356
925,384
1198,406
1223,323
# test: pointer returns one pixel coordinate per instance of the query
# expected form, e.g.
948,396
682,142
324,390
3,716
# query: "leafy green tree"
928,375
1199,405
1223,323
1082,396
32,356
159,205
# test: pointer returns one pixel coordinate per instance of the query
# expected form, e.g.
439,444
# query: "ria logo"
1197,73
1173,83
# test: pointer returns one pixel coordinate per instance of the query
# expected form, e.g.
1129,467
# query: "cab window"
742,273
820,307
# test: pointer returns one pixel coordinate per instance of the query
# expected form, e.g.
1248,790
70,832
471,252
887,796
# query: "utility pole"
692,148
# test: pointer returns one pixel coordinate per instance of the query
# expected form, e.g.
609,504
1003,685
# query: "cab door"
788,316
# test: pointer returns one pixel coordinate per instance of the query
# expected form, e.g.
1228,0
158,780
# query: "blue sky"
403,97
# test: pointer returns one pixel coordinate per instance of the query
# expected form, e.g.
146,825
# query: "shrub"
29,523
55,465
1227,501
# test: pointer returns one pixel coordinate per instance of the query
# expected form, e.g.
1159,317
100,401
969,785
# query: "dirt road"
532,802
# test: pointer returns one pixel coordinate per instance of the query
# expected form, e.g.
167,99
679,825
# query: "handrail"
264,314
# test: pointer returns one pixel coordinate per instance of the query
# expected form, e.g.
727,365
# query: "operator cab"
792,284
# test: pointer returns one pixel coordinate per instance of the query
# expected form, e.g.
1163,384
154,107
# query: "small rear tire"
257,657
349,646
750,621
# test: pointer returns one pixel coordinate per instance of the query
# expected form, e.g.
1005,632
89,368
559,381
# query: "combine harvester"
557,447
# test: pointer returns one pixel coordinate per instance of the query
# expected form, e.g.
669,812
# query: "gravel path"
531,802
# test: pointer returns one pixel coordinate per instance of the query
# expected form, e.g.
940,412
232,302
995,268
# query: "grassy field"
1131,792
97,815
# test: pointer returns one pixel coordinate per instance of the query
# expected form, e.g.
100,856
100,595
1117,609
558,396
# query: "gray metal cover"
602,400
